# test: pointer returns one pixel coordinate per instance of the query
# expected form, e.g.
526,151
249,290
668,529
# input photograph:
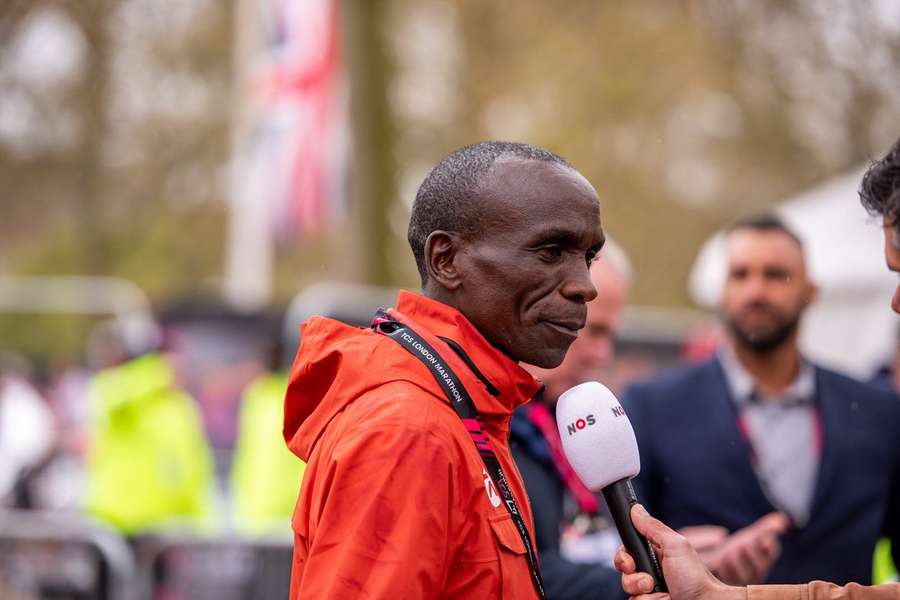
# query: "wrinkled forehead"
770,247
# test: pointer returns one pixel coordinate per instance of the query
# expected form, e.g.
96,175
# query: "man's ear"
441,249
812,293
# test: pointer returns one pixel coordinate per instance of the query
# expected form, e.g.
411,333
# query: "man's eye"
590,257
550,253
778,275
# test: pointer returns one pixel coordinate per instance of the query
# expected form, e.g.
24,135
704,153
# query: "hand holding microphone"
688,578
599,443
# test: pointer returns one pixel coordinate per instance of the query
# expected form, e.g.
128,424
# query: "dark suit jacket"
696,469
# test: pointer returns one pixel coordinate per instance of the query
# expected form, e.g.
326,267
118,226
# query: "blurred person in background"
573,530
686,576
265,475
27,432
410,490
761,458
148,465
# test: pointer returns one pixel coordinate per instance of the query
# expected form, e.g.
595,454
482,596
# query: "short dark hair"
450,197
879,191
766,221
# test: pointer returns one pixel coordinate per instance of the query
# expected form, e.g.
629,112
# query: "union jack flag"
295,154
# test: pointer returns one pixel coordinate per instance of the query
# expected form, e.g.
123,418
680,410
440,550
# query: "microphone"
599,443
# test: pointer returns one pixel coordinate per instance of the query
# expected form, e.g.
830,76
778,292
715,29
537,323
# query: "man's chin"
547,358
762,341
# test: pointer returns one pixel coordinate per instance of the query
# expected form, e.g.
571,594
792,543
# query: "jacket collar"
801,392
515,384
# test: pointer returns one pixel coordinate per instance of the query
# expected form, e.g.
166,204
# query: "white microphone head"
596,435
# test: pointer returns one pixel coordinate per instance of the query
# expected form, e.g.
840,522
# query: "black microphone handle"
620,498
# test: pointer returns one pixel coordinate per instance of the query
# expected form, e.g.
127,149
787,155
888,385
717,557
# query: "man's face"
593,349
892,258
525,282
766,288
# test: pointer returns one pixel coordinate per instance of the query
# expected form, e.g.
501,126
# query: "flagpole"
248,253
373,163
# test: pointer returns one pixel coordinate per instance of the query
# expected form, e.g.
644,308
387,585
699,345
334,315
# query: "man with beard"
774,468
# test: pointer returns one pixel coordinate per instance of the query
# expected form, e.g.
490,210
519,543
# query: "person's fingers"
637,583
751,562
771,546
733,563
724,573
742,569
708,541
750,552
657,532
623,561
656,596
776,523
747,555
762,554
704,537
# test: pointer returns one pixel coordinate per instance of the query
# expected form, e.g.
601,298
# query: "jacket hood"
337,363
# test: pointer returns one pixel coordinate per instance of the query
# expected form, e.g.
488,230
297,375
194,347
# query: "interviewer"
688,579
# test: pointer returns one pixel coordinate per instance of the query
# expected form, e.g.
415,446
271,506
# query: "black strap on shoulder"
462,403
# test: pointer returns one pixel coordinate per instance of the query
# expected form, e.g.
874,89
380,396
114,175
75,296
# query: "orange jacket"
396,502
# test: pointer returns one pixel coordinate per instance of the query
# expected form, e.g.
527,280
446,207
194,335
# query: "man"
580,567
686,576
779,452
410,490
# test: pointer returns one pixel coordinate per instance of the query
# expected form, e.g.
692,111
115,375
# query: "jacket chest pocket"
515,574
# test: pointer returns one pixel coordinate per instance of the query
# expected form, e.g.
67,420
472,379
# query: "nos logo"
573,428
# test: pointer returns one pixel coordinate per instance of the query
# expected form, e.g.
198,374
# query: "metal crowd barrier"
62,556
65,556
182,567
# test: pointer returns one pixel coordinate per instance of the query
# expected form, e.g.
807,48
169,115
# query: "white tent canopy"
851,327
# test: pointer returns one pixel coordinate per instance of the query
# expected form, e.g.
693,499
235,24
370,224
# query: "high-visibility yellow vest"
265,475
883,569
149,463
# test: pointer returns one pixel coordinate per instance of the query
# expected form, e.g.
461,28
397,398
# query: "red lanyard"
462,403
540,416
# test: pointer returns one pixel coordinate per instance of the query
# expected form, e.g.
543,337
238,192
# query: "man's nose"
755,288
578,284
895,301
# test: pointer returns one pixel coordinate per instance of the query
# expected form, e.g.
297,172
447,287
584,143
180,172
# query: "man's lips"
567,327
756,314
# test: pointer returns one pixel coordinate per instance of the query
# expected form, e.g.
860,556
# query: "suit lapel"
831,418
736,446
